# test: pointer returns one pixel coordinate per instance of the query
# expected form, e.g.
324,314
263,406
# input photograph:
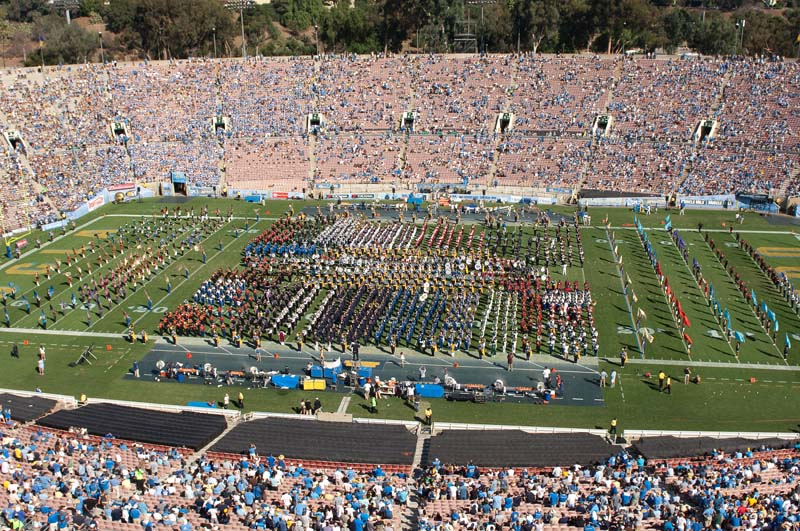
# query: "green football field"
726,400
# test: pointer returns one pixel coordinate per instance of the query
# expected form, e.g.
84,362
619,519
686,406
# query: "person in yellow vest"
138,479
428,416
613,429
241,400
144,336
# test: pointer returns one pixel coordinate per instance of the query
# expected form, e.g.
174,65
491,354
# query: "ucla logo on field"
27,268
779,252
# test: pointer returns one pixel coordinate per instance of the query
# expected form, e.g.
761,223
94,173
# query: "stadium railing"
638,434
68,401
228,413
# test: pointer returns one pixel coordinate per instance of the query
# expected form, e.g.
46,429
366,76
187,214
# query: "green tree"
765,33
120,15
678,26
715,36
62,43
536,22
26,10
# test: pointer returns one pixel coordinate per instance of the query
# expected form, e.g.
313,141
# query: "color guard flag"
739,336
787,342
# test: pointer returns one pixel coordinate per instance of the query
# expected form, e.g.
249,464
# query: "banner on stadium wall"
720,201
350,196
78,212
166,189
198,191
503,199
555,190
95,203
622,201
280,195
327,186
54,225
247,193
123,187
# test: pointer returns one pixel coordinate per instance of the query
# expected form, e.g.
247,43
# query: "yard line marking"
202,266
46,244
697,284
742,296
624,296
343,405
576,398
156,276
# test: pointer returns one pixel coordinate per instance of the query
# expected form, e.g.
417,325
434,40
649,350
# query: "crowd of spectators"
663,100
69,480
252,118
260,164
352,157
448,158
199,161
743,490
541,161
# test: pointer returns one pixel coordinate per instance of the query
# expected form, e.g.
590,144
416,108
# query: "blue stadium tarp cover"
289,381
429,390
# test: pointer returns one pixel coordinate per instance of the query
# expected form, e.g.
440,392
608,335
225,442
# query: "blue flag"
668,226
787,342
764,307
771,315
739,337
776,325
711,291
753,296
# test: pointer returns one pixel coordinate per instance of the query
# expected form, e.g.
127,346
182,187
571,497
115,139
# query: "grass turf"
724,401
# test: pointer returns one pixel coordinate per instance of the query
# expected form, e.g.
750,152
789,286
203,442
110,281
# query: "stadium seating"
264,476
250,119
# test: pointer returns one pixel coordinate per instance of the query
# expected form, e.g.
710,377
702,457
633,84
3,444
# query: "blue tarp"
365,372
289,381
429,390
202,404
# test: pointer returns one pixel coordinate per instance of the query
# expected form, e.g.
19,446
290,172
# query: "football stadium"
440,292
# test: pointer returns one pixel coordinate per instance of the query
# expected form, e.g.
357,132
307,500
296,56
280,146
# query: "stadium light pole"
102,51
214,31
66,6
483,28
241,6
